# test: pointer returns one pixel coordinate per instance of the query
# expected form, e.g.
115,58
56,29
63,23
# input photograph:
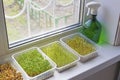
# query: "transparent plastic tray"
83,58
67,66
10,61
40,76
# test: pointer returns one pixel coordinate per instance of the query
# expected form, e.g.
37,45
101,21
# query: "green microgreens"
60,55
80,45
33,62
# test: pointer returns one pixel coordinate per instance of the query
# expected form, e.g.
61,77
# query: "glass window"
28,19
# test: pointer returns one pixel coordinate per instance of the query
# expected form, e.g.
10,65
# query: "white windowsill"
108,55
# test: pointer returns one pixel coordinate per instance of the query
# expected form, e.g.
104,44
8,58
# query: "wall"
117,39
3,40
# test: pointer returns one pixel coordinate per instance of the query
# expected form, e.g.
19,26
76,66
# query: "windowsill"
108,55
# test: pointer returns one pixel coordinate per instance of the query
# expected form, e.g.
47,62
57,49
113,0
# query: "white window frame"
4,44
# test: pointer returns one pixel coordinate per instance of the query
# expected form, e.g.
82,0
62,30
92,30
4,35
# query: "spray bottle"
92,28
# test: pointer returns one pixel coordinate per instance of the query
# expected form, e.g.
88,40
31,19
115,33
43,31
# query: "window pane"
16,26
28,18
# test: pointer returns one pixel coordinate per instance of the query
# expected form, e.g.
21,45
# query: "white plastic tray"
67,66
41,76
85,57
10,61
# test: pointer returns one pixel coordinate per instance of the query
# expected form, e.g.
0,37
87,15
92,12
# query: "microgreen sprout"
60,55
80,45
33,62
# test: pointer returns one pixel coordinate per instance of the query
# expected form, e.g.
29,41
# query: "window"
28,20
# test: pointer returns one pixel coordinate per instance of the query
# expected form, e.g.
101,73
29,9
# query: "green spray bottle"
92,28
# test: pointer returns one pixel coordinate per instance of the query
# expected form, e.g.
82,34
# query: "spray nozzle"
93,7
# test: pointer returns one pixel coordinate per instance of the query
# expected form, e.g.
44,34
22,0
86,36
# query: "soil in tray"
80,45
60,55
33,62
7,72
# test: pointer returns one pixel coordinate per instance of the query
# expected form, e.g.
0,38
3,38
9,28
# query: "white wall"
109,15
3,40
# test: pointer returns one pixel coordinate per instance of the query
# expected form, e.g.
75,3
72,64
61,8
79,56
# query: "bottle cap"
93,7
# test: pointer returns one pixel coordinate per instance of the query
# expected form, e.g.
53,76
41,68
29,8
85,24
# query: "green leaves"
60,55
33,62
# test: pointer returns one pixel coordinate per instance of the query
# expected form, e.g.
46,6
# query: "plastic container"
66,66
9,62
83,58
40,76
